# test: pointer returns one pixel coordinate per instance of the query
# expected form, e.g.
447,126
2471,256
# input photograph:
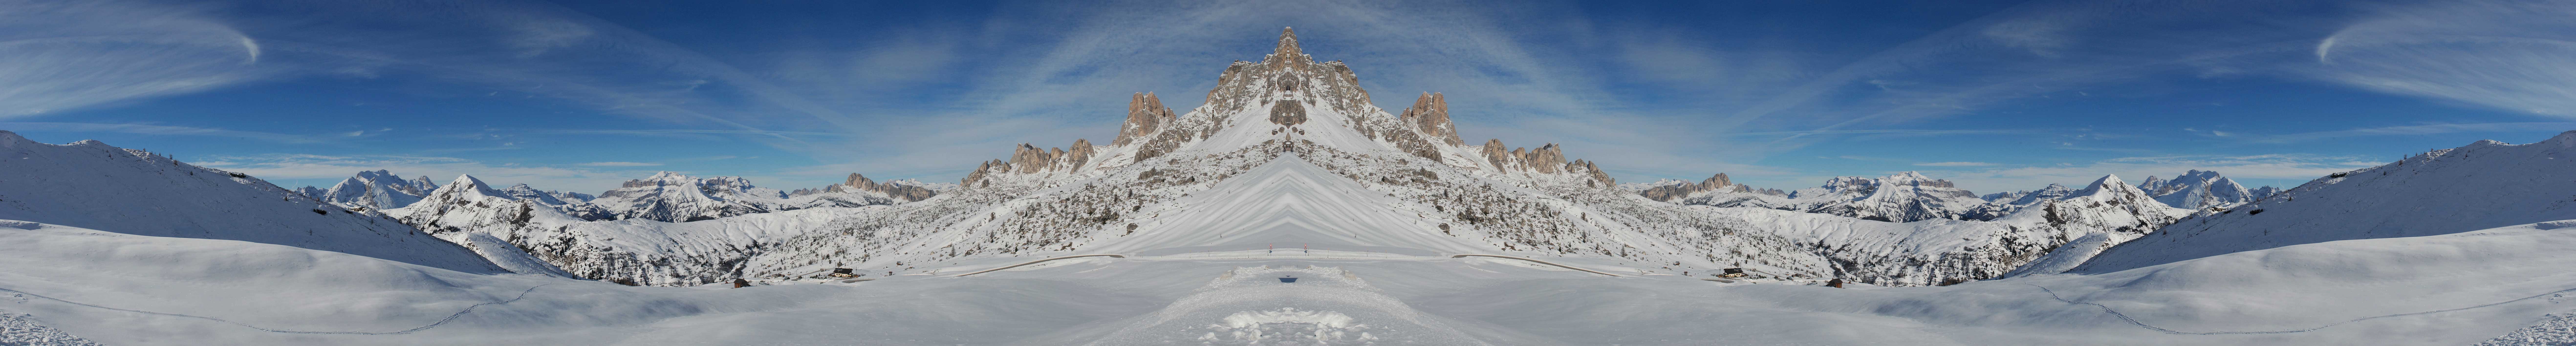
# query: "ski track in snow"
442,321
2125,317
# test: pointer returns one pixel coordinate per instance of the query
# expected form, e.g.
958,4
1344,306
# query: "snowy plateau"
1287,210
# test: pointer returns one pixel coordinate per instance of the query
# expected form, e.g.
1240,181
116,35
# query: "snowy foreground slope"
2480,185
141,290
94,185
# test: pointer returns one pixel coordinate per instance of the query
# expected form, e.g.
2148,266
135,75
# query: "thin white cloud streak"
2417,130
148,129
65,55
620,164
2508,55
1955,164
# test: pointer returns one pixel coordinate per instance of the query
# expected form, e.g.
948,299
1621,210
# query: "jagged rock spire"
1145,115
1430,115
1287,44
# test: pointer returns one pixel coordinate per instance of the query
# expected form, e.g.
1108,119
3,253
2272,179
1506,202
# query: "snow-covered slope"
377,189
1290,202
2482,185
93,185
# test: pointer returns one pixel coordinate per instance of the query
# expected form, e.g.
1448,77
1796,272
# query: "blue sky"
581,95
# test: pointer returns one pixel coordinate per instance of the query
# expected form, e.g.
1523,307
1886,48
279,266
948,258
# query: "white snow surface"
1289,202
121,289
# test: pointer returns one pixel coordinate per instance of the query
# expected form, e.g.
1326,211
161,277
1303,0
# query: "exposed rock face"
1430,116
1668,193
1028,159
1145,117
1494,154
907,193
1287,113
1289,69
1546,159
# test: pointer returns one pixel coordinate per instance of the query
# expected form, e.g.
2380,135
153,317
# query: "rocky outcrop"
907,193
1288,69
1429,115
1593,171
1674,192
1145,117
1546,159
1028,159
1287,113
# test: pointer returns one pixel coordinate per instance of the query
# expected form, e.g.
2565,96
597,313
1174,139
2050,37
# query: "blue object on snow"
1287,279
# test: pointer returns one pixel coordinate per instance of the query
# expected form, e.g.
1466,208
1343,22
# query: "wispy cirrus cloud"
71,54
2508,55
150,129
2424,129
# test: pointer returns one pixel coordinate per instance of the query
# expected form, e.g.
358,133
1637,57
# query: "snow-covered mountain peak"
2108,183
2198,189
469,184
377,189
